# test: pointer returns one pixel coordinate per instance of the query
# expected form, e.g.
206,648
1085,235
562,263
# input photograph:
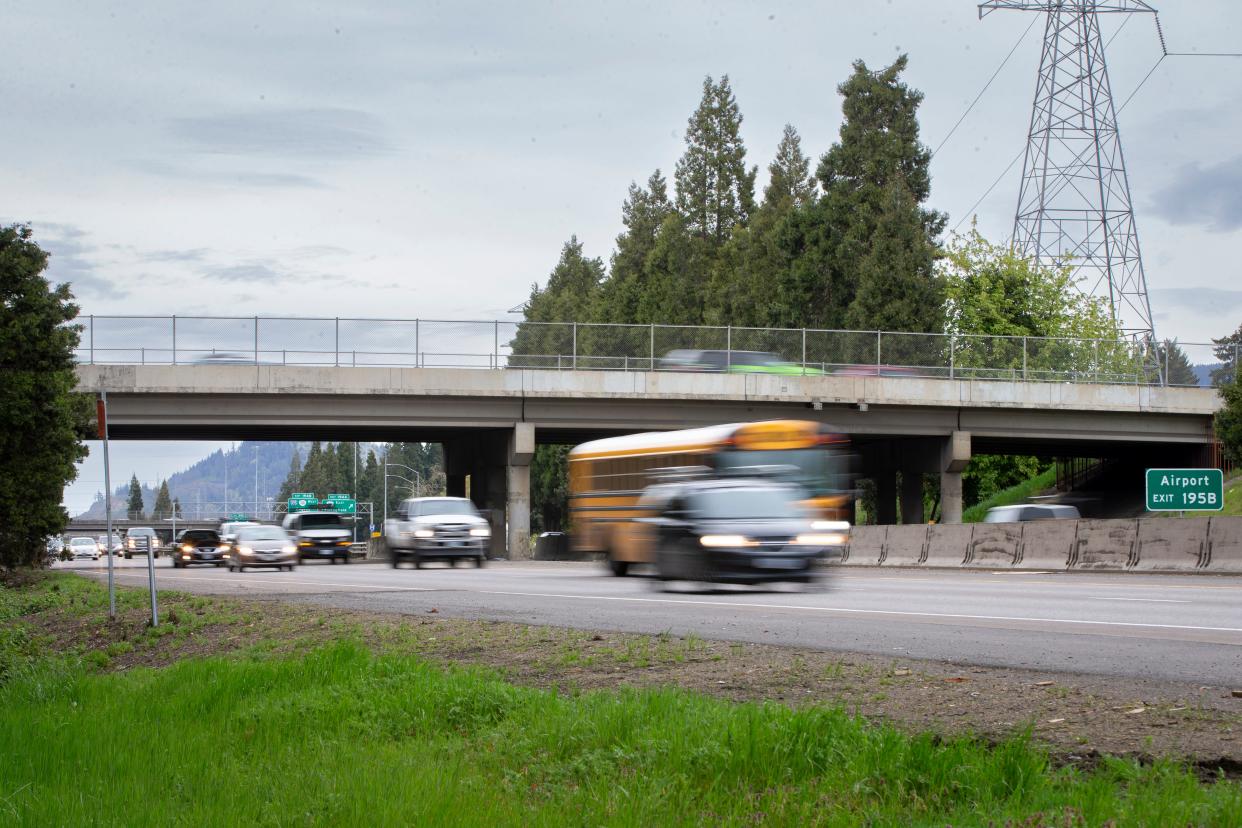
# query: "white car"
84,548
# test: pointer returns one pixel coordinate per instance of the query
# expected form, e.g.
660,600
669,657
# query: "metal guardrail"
495,344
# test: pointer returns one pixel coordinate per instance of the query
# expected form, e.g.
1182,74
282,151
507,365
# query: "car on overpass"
731,362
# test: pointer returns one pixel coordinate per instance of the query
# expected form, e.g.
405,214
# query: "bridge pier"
498,468
954,455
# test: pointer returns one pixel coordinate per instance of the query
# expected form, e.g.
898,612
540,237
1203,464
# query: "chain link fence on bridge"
434,343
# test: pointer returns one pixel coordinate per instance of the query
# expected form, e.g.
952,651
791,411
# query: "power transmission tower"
1074,201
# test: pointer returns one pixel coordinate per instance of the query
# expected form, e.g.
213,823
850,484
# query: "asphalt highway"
1164,627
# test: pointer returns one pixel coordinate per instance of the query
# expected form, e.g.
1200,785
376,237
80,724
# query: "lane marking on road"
1146,600
729,604
236,579
904,613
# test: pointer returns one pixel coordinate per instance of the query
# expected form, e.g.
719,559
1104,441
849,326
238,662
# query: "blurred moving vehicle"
319,535
224,358
607,477
84,548
258,545
1031,511
437,529
881,371
733,362
198,546
54,547
141,540
229,528
739,530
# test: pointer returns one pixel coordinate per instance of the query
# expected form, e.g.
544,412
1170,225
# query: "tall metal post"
256,340
952,353
174,338
103,435
496,344
336,347
1024,357
651,365
92,339
804,350
417,364
877,350
728,347
573,363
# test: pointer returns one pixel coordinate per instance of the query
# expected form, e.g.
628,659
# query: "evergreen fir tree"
134,508
1177,365
875,178
715,191
789,175
163,503
567,297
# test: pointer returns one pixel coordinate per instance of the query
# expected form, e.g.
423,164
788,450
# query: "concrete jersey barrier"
866,546
905,545
1141,544
1224,544
1106,544
994,545
1170,545
948,544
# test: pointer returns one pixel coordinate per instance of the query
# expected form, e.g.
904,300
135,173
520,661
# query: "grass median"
343,733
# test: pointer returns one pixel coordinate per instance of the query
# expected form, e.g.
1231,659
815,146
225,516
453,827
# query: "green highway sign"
238,516
300,501
1181,490
304,501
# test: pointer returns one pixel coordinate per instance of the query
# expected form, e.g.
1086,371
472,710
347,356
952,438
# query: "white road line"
1147,600
729,604
864,611
283,580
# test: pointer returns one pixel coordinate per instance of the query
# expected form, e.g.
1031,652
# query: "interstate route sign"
1178,490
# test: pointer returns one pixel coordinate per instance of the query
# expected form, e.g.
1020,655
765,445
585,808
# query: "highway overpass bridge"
489,421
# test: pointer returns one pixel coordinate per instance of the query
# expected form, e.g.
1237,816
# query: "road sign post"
1181,490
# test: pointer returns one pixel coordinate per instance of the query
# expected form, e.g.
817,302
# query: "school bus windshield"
815,466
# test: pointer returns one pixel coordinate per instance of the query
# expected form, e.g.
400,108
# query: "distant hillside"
203,482
1204,373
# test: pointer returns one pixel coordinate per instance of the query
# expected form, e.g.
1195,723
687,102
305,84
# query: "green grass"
1019,493
342,736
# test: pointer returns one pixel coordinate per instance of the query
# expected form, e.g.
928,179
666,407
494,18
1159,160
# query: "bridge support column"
954,455
517,507
886,497
911,496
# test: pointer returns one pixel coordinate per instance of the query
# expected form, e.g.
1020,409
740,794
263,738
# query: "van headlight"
831,525
424,533
817,539
288,550
716,541
481,532
245,550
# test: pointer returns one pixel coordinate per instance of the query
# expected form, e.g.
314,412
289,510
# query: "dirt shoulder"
1078,717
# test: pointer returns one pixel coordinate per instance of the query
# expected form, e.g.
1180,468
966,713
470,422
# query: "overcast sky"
429,159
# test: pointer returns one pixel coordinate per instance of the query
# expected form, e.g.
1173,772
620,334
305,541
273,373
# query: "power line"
1018,43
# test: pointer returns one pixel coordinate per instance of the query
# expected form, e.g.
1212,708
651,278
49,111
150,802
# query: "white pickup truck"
437,529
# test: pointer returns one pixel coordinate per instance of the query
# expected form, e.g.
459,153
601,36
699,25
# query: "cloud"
229,178
1199,195
332,134
72,258
1199,300
257,272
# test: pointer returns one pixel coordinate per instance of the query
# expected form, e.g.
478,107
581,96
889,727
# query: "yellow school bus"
607,477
